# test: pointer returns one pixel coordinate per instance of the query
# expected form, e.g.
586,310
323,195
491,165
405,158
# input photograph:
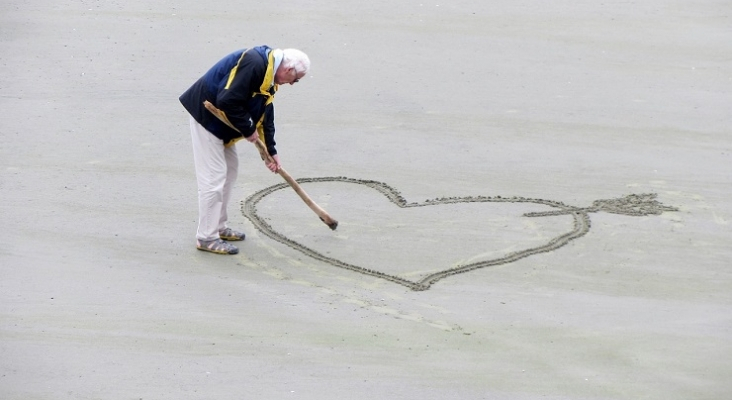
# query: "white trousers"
216,170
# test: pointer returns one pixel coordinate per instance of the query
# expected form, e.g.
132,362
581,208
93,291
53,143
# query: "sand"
513,128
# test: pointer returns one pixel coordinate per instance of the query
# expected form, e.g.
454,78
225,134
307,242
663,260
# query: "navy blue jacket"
233,85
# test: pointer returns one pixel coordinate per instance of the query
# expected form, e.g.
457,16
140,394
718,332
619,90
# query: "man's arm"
268,128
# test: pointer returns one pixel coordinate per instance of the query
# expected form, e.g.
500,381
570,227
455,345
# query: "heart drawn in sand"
634,205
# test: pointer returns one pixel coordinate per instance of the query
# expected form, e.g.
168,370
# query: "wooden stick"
332,224
322,214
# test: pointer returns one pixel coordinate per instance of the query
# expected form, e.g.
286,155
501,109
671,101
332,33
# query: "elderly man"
233,101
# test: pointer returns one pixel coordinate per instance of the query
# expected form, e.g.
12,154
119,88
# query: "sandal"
217,246
231,235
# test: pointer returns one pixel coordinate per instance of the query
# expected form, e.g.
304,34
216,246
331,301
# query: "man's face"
287,75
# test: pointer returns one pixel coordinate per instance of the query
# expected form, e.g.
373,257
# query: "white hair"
297,59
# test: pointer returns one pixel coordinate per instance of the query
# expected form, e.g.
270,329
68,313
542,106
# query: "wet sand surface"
488,164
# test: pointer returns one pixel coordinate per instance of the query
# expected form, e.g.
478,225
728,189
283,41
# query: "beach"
431,132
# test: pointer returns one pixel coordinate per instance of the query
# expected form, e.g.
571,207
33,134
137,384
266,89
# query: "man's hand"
274,166
253,137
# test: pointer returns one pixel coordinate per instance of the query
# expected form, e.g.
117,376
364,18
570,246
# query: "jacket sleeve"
269,129
242,81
